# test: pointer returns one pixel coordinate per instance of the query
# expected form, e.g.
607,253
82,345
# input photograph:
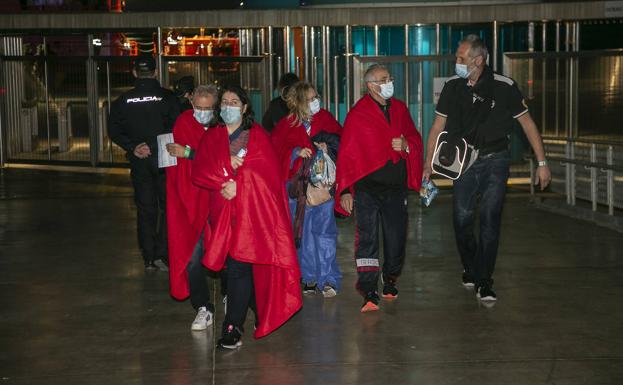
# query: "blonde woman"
308,128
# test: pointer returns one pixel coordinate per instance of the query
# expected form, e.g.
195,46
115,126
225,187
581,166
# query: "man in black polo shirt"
481,106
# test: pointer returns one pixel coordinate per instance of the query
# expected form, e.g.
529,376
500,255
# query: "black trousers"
485,180
150,196
389,210
240,293
197,279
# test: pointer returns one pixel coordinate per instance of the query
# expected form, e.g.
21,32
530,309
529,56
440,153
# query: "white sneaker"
329,292
161,265
202,320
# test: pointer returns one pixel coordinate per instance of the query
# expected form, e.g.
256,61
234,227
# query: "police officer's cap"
145,64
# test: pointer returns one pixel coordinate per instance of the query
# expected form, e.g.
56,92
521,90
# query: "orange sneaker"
370,302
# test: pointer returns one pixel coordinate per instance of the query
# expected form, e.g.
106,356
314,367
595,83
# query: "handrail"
609,168
600,165
587,141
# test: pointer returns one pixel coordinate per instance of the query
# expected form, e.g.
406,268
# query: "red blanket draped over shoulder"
285,138
187,206
366,144
254,226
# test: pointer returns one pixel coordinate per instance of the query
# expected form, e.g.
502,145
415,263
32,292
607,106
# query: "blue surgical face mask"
203,116
231,114
462,71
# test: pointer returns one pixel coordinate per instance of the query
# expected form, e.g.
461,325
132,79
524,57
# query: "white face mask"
387,90
203,116
314,106
231,114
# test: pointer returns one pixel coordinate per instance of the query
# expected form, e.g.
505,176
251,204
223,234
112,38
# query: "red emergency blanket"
366,144
254,226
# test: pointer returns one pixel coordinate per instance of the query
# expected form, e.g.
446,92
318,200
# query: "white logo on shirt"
144,99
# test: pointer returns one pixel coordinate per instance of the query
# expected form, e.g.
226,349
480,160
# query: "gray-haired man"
188,209
482,106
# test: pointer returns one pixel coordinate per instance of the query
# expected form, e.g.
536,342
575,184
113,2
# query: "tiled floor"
77,307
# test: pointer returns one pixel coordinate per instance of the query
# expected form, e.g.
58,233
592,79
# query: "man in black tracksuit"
137,117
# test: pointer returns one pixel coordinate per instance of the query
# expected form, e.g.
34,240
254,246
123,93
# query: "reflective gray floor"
77,308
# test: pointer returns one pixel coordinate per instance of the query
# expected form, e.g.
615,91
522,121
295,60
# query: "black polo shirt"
506,101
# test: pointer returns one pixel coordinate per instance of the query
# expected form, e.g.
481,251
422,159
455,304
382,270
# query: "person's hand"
322,146
229,190
426,173
236,162
304,152
176,150
142,151
346,201
399,144
543,176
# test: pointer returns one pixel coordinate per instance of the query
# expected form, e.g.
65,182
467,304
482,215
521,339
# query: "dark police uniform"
484,114
139,116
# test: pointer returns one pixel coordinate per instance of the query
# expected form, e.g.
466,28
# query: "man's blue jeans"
484,184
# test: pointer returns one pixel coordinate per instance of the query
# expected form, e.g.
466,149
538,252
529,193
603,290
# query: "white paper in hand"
164,158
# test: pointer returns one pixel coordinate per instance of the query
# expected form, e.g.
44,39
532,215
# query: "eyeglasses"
382,81
313,98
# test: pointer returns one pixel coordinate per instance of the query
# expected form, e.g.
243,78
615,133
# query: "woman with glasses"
249,226
298,138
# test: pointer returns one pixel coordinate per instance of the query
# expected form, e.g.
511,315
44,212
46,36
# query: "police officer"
137,117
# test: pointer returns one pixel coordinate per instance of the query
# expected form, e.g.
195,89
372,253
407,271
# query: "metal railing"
585,170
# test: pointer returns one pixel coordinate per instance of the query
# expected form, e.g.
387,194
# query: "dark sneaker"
389,290
370,302
486,293
468,281
231,338
309,288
